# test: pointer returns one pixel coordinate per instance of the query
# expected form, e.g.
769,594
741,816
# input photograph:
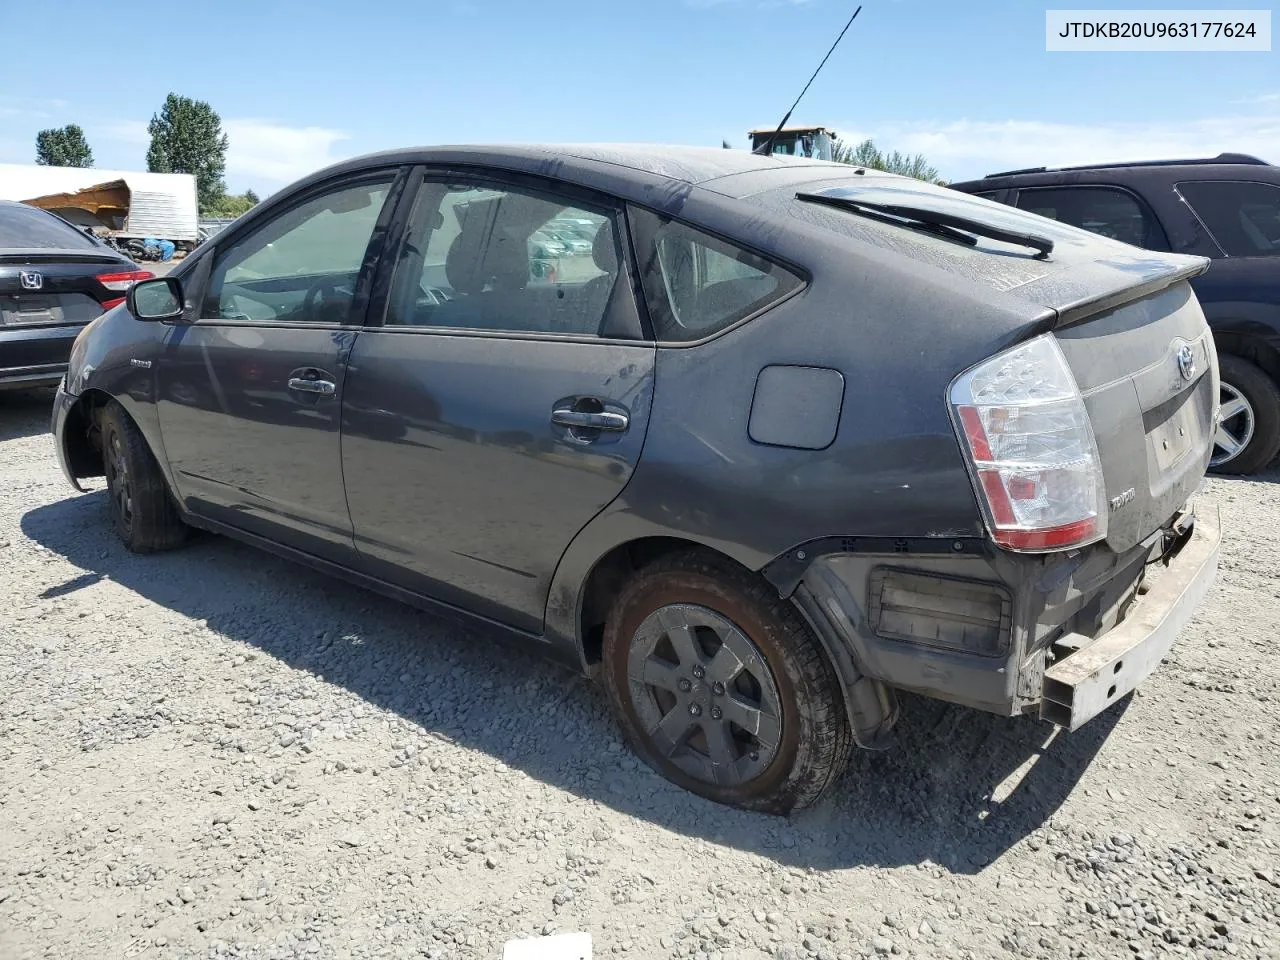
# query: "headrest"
603,250
462,266
505,264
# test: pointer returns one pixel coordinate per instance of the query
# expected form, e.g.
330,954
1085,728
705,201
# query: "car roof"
1225,166
15,205
611,166
14,209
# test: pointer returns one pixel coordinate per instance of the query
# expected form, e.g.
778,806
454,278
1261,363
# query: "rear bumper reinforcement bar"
1079,687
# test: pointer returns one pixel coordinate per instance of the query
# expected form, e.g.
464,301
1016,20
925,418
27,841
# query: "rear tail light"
123,281
1030,445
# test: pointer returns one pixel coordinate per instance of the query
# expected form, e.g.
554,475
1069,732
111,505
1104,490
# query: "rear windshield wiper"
944,224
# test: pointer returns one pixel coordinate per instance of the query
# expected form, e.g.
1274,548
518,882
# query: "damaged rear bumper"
1059,635
1101,670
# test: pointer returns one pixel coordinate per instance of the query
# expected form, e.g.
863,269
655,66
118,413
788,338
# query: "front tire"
144,514
720,686
1248,436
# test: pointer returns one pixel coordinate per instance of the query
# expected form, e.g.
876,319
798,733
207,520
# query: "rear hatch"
55,287
1125,318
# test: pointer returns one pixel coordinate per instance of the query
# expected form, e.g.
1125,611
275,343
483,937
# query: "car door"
249,394
499,398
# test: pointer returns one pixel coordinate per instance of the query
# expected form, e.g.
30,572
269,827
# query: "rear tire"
1251,418
144,514
720,687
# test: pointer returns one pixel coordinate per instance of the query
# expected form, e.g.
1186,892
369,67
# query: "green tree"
63,147
867,154
232,205
187,137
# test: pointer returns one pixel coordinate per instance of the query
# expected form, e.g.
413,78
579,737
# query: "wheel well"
609,575
1250,348
82,434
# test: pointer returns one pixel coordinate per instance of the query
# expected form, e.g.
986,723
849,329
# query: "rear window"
1107,211
1244,217
696,284
29,228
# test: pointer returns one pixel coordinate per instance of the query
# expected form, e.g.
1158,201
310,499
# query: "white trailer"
126,202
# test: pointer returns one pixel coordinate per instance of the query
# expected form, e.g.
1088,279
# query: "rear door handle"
588,420
326,388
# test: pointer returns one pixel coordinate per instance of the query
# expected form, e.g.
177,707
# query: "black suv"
1227,208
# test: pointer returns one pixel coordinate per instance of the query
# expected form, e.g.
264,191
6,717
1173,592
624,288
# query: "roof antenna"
767,145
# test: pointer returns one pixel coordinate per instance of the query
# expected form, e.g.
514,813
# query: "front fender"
70,459
113,359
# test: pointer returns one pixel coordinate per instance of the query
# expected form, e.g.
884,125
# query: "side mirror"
155,300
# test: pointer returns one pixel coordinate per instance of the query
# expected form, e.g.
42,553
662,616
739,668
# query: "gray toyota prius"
785,438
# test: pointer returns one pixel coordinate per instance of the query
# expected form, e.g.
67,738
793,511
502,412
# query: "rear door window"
500,258
697,284
1108,211
29,228
1243,216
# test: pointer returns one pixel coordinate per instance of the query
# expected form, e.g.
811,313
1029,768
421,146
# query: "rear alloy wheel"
705,694
144,513
720,687
1248,434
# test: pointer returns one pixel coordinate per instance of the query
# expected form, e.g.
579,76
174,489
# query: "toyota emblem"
1186,362
30,280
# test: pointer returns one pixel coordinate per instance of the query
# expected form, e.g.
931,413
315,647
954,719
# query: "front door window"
300,266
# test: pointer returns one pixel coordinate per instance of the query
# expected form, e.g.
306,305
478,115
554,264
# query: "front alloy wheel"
145,515
119,483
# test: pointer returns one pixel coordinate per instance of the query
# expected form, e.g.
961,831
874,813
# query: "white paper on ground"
563,946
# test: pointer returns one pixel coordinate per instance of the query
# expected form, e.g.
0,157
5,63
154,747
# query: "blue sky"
299,85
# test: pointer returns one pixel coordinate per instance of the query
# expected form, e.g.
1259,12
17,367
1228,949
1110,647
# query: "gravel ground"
214,753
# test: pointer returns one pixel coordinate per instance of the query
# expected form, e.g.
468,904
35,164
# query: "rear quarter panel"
897,330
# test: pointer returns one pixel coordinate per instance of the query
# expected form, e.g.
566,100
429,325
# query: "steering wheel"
320,291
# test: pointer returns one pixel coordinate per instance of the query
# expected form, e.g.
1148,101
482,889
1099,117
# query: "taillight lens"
1023,423
123,281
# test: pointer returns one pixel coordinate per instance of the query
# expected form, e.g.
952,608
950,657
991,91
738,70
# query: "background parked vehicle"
1227,208
131,205
54,278
792,444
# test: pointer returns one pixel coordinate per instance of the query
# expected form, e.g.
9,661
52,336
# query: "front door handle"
590,420
326,388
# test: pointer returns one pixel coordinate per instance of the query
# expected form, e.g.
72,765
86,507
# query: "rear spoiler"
1161,274
100,254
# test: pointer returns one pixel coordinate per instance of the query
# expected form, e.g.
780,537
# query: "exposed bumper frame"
1102,670
62,404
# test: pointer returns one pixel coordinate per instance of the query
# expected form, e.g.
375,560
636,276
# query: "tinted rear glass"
696,284
1244,217
28,228
1106,211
